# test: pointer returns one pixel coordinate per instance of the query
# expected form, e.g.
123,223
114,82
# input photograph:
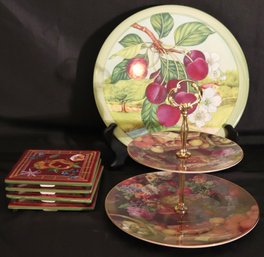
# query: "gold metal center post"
183,153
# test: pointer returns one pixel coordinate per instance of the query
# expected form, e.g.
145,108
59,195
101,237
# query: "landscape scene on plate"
147,70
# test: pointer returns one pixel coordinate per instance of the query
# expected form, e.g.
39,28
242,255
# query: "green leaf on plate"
130,40
191,33
149,117
128,52
120,72
162,23
172,69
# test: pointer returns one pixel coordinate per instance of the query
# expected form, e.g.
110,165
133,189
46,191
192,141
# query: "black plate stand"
119,149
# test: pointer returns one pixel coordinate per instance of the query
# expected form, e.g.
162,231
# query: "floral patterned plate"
219,211
150,52
209,153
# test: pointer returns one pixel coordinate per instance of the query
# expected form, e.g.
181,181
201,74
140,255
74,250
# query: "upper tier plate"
154,43
209,153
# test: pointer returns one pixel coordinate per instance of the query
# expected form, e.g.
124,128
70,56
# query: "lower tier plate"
218,212
209,153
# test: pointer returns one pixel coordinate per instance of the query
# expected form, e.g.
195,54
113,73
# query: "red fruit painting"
137,68
183,97
168,115
198,69
150,58
191,56
173,83
156,93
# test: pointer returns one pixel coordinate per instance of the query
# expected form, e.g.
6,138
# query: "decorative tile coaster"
55,167
48,196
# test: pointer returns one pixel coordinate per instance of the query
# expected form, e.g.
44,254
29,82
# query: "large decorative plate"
209,152
148,53
218,212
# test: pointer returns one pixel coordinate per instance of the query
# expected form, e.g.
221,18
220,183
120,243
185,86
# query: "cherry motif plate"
165,44
209,153
219,211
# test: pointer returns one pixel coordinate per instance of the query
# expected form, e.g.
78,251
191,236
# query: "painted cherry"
168,115
198,69
137,68
156,76
196,65
173,83
184,97
156,93
192,56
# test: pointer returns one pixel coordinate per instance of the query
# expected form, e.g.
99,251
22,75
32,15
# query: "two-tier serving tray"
170,78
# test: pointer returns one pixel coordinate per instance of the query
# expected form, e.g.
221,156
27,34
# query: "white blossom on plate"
200,116
211,99
213,61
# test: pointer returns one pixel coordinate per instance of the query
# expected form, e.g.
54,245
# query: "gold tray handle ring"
184,107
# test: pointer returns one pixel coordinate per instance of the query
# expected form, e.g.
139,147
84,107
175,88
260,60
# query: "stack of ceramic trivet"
55,180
